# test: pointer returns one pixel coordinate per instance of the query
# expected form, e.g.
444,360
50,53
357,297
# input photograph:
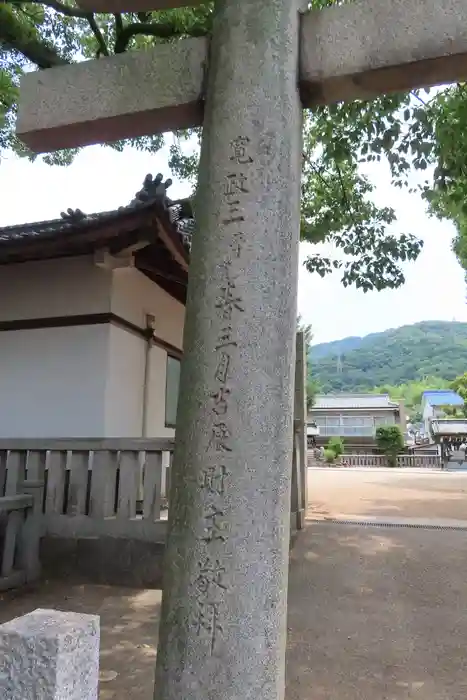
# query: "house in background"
433,404
91,320
355,418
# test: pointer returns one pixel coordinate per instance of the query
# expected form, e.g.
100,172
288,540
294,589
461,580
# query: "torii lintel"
347,52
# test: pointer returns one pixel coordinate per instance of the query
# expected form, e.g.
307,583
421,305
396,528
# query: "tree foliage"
436,349
336,445
405,130
390,441
459,385
329,455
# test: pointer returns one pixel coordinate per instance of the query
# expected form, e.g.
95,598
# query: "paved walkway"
375,613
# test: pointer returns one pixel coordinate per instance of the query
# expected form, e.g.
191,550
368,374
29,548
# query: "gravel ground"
386,492
375,613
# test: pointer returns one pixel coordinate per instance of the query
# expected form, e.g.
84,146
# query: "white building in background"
354,418
433,404
91,321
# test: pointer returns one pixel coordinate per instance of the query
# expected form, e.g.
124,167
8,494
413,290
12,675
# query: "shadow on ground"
377,613
374,614
129,622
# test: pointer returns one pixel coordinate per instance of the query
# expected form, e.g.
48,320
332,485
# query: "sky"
101,179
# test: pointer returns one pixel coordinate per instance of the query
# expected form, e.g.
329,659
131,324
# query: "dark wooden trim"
175,247
129,326
29,324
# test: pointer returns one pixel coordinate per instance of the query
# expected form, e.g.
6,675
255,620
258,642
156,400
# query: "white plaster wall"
63,287
82,381
125,381
52,382
125,387
428,413
134,296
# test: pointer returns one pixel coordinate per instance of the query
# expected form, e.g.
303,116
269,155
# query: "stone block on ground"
50,655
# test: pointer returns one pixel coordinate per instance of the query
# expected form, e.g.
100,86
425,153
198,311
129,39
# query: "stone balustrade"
94,487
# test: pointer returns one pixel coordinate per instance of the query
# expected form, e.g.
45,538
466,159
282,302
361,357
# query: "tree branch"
57,6
15,36
118,22
73,12
102,50
417,97
344,196
308,160
159,29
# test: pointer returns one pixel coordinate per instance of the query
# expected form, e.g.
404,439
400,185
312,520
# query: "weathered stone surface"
49,655
363,49
143,92
350,51
223,628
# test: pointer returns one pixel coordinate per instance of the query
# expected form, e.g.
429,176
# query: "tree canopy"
390,441
460,386
412,130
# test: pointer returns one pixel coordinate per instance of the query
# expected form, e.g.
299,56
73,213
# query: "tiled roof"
154,229
448,427
443,398
153,193
346,401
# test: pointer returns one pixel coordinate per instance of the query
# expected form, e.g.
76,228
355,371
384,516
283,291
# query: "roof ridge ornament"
73,216
153,188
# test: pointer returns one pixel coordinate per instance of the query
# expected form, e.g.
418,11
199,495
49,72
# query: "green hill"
430,348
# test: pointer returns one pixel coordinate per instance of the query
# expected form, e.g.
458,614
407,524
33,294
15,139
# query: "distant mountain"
430,348
336,347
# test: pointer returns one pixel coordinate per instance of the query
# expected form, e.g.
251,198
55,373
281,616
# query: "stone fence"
104,503
402,461
374,461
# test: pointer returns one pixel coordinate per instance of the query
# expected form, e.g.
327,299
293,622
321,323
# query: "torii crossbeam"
222,632
348,52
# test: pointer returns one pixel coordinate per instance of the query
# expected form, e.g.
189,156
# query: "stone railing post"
300,413
50,655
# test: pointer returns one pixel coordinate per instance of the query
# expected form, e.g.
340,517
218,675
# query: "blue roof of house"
443,397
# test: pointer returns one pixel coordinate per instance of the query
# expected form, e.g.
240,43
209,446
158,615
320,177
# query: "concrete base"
103,560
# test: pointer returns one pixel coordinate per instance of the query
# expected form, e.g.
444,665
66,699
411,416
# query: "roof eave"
99,233
394,407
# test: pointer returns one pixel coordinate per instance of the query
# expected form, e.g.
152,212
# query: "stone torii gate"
223,623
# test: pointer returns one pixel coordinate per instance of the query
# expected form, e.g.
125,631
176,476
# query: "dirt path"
377,614
374,613
415,494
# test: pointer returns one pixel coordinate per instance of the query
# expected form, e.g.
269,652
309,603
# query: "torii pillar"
223,625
